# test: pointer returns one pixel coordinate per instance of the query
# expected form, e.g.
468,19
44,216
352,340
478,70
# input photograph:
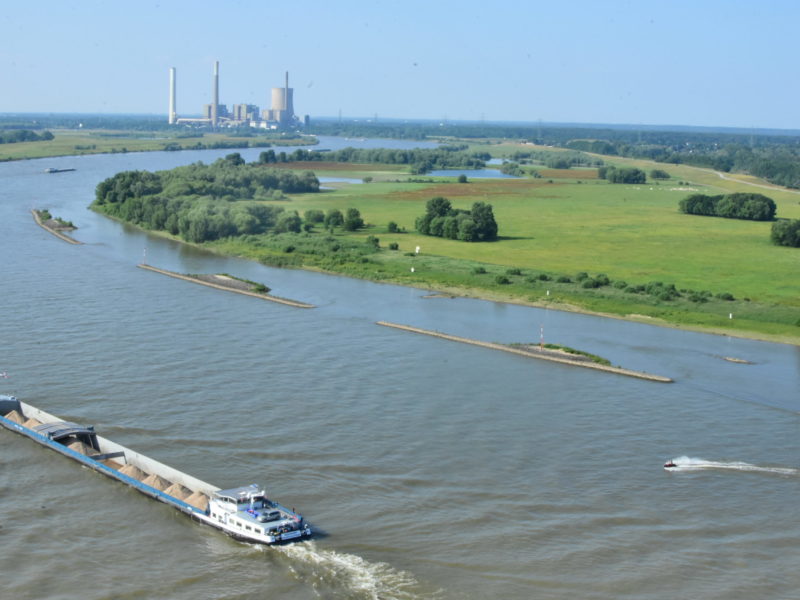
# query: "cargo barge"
244,513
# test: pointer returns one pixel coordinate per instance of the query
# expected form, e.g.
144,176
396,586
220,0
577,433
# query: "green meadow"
569,223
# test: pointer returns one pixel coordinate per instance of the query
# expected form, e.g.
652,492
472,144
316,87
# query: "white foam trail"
361,578
687,463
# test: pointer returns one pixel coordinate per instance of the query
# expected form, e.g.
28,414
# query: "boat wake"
354,576
687,463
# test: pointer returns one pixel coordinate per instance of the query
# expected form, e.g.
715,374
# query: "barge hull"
106,449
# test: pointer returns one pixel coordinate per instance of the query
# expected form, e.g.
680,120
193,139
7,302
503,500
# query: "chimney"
171,116
215,95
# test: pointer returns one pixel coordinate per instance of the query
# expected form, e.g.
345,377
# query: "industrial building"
280,115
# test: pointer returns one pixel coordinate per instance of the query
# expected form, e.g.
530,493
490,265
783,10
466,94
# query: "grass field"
631,233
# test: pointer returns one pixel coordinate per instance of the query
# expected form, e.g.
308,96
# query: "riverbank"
228,284
53,226
456,277
535,352
69,142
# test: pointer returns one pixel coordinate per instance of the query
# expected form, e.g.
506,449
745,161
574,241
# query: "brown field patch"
473,189
569,173
314,165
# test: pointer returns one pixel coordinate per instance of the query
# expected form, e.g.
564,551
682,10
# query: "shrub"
786,233
353,220
581,276
725,296
373,241
590,283
288,249
392,227
602,279
563,279
620,285
314,216
394,246
513,271
478,270
462,178
502,280
544,277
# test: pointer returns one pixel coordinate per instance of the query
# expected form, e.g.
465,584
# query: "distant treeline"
24,135
751,207
556,159
776,158
204,202
421,160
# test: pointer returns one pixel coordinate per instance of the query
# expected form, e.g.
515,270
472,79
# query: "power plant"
280,115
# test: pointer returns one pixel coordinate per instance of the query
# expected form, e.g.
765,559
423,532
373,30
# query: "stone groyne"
58,234
553,356
227,288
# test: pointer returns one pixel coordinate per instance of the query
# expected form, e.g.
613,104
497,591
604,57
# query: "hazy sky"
688,62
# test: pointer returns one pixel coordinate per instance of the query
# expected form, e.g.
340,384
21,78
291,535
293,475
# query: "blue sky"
707,63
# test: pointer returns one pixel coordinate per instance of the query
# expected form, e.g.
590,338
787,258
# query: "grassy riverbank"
555,229
566,240
72,142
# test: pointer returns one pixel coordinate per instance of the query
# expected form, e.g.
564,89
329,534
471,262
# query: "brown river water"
428,468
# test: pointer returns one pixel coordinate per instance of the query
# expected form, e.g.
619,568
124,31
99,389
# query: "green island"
565,238
572,352
55,225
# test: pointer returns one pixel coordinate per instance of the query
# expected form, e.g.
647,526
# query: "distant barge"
244,513
54,170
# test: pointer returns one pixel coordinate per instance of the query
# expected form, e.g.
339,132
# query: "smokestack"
171,115
215,95
286,93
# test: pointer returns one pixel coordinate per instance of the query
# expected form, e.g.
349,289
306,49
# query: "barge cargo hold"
244,513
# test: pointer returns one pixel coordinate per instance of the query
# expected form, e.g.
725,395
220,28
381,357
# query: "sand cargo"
244,512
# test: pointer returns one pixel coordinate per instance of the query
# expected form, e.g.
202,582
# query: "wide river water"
430,469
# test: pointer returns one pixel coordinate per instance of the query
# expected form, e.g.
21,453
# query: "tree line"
442,220
622,174
24,135
748,206
421,160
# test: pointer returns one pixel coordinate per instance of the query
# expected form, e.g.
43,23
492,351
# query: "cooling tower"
282,103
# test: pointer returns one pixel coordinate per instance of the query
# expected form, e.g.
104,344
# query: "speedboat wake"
687,463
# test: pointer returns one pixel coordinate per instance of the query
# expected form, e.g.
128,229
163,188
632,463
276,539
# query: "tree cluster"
24,135
748,206
421,160
786,232
442,220
204,202
622,174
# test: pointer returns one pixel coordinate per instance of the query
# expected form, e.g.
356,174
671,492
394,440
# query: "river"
429,469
